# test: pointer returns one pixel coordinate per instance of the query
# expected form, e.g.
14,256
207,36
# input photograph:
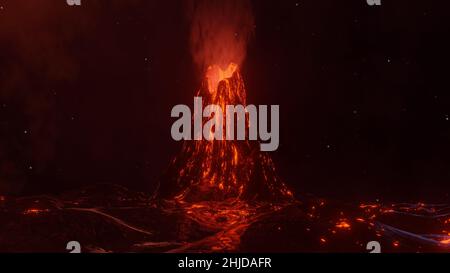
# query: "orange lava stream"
218,169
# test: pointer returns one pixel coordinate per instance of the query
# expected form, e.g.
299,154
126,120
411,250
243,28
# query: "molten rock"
218,170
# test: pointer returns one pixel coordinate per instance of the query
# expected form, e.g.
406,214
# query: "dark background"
86,94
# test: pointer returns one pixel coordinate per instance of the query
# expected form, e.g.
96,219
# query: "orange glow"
368,206
343,224
215,75
34,211
323,240
197,206
220,31
222,169
396,244
445,242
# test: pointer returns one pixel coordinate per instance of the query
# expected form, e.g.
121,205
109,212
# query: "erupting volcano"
218,169
216,195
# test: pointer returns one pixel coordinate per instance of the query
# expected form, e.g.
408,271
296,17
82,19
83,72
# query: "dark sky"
86,93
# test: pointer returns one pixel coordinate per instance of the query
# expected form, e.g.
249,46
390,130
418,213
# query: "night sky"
86,94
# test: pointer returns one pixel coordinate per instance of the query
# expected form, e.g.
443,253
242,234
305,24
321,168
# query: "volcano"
217,196
217,170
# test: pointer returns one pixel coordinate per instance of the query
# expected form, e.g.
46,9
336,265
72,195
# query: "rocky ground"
110,218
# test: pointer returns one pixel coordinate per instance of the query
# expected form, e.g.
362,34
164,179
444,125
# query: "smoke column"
220,31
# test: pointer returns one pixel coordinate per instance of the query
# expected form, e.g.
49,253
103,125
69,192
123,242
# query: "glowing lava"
34,211
343,224
216,170
215,75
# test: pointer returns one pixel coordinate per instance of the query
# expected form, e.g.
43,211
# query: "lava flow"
216,170
223,185
231,189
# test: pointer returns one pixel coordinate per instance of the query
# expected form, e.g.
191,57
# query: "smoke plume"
220,31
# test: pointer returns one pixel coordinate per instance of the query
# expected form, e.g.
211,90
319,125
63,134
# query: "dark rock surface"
110,218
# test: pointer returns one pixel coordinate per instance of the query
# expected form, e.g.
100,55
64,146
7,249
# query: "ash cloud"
220,31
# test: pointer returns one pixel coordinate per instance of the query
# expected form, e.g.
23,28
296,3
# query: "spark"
34,211
369,206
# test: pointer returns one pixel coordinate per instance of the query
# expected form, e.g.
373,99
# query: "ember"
34,211
343,224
